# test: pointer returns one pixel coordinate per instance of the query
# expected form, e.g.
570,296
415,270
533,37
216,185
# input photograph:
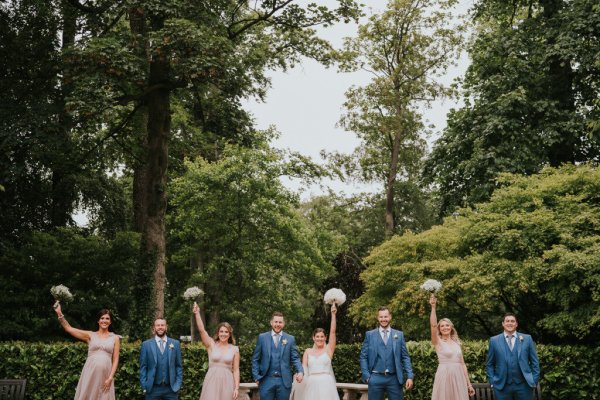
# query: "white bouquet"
431,286
334,296
193,293
61,293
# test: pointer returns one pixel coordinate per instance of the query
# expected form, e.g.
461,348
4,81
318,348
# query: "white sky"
305,104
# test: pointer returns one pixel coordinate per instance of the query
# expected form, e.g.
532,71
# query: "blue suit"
275,384
513,374
398,364
150,358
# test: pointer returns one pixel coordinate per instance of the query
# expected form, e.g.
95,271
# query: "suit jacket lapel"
518,344
281,345
154,348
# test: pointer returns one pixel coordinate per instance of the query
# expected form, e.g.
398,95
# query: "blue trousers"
161,393
514,391
272,388
379,384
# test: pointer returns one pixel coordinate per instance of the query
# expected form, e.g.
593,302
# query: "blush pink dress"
450,382
97,369
218,383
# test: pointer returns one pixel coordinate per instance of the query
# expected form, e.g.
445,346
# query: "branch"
249,23
123,100
113,132
92,10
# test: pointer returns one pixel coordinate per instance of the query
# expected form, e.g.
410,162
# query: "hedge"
52,370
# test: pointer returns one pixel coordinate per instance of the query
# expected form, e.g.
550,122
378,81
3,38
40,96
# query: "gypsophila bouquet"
431,286
334,296
61,293
193,293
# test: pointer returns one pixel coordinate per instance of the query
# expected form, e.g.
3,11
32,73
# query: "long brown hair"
229,328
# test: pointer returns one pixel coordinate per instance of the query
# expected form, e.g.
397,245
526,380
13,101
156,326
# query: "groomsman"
512,366
384,358
161,369
273,357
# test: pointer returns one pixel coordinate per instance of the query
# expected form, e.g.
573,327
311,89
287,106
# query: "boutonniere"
171,346
284,341
521,338
396,337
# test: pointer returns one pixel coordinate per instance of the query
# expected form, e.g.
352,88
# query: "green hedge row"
52,370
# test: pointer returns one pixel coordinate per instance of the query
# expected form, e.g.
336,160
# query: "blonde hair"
453,332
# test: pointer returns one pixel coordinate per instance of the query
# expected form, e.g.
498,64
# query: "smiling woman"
451,378
97,377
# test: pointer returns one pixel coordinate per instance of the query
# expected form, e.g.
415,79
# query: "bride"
319,381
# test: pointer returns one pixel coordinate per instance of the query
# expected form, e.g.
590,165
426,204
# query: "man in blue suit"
512,367
273,357
161,369
384,359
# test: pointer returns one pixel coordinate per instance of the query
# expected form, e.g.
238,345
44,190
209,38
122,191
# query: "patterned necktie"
162,346
276,340
385,336
510,342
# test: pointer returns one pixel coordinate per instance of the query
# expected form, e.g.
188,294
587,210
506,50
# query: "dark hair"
276,314
229,328
105,311
317,330
509,314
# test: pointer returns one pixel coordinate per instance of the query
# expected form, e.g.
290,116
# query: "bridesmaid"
451,378
222,381
97,377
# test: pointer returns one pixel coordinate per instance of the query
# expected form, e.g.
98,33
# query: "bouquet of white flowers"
193,293
60,293
334,296
431,286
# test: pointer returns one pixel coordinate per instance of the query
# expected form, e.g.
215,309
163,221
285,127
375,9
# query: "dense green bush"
52,370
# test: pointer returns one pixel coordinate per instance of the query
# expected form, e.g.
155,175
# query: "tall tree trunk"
159,128
392,174
63,190
137,23
559,86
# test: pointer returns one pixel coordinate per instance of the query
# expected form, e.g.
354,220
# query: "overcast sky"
305,103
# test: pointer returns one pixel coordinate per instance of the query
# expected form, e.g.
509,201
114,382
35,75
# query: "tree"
406,48
236,233
532,249
530,98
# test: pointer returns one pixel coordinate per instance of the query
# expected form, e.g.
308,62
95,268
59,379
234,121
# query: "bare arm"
469,386
236,374
332,329
433,321
206,339
305,361
76,333
115,364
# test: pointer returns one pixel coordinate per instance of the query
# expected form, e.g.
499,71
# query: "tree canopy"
532,249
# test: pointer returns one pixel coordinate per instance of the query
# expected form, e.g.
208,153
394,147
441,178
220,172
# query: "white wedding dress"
318,382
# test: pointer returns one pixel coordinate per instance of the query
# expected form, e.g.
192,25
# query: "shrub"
52,370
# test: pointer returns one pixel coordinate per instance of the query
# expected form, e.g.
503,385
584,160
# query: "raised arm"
433,321
332,329
206,339
115,364
76,333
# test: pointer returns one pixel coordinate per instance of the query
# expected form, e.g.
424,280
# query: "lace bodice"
320,364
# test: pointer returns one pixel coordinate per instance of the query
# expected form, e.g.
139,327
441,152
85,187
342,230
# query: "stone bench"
351,391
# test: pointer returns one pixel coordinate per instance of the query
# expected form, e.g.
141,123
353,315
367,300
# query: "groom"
512,367
161,369
383,358
272,359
